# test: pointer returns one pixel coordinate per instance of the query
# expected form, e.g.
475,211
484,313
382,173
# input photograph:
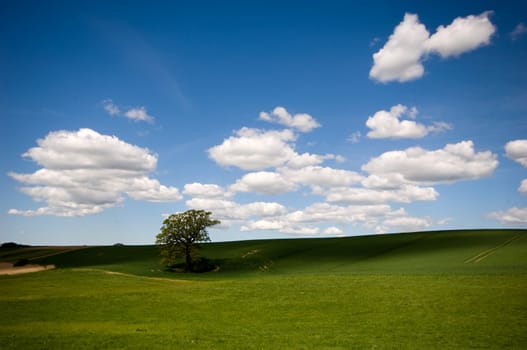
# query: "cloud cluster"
401,58
388,124
84,172
274,167
135,114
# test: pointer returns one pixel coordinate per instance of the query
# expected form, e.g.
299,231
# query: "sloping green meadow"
435,290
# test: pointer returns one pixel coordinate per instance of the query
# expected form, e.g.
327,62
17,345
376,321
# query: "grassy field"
435,290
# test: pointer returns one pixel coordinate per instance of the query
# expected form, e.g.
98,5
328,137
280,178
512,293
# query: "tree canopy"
181,234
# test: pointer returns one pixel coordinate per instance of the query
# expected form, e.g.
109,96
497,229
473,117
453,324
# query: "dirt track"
9,269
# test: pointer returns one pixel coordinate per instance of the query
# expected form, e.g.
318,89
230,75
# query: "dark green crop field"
432,290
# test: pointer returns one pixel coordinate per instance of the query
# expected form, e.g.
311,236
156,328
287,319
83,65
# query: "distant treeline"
12,245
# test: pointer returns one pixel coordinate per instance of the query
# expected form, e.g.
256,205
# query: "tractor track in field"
486,253
115,273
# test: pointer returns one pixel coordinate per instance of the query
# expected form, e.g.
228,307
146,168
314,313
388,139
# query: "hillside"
451,252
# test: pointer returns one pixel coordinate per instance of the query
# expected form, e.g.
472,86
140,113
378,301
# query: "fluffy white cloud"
334,231
511,217
254,149
205,191
84,172
401,57
406,223
263,182
404,194
464,34
139,114
517,151
321,176
387,124
302,122
419,166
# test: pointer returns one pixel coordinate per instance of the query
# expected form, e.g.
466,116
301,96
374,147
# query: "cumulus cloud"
404,194
135,114
334,231
263,182
318,176
419,166
401,58
464,34
254,149
302,122
517,151
84,172
406,223
197,189
388,124
512,216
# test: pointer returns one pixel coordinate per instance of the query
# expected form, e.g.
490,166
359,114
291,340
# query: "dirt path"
9,269
108,272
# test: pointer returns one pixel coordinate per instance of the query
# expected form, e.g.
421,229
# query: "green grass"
440,290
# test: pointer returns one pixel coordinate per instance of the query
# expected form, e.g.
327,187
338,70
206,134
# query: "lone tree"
181,233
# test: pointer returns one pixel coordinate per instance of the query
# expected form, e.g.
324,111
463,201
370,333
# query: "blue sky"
285,119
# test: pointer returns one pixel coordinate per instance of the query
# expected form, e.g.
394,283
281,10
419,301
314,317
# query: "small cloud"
139,114
354,137
374,41
135,114
333,231
512,216
518,31
110,107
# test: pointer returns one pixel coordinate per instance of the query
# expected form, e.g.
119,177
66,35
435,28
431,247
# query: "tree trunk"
188,260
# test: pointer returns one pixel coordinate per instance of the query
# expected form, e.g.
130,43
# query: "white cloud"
254,149
135,114
464,34
416,165
511,217
205,191
387,124
334,231
302,122
400,59
139,114
354,137
403,194
321,176
263,182
85,172
518,31
517,151
523,187
406,223
110,107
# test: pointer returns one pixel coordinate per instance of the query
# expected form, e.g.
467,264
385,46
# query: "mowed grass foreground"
437,290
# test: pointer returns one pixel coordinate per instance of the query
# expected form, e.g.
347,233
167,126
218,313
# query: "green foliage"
181,234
